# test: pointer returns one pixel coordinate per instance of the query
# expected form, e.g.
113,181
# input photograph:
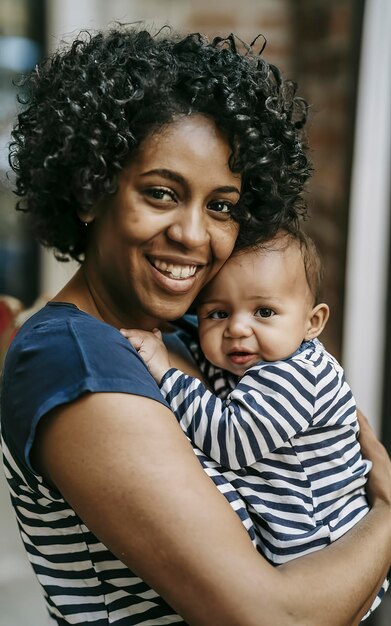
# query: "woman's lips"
175,278
175,270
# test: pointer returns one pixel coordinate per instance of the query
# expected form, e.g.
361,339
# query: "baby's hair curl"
89,106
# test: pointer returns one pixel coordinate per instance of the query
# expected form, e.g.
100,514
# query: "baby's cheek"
212,345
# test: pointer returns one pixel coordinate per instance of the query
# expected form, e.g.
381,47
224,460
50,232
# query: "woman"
144,158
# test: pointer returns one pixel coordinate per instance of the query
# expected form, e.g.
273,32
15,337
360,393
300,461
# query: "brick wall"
327,36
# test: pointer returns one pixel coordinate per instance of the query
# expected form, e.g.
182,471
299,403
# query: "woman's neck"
79,292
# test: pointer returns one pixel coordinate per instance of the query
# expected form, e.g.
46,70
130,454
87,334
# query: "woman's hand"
151,348
379,479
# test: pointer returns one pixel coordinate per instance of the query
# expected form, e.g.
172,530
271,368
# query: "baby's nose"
238,327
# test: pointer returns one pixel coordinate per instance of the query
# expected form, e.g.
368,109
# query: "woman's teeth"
176,271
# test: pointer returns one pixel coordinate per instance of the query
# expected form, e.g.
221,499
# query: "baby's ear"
317,320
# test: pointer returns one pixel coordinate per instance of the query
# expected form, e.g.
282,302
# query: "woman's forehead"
190,145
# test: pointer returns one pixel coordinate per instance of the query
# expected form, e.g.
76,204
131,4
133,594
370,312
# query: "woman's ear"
317,320
88,216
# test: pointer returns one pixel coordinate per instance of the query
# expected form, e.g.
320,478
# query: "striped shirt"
59,354
290,429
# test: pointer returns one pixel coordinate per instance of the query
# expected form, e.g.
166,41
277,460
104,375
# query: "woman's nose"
189,227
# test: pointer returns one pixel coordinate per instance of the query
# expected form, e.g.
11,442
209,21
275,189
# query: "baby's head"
263,303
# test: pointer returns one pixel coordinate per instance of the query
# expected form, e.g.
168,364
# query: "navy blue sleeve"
54,363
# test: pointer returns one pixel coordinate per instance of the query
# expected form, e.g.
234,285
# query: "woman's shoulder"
62,348
55,315
59,354
61,340
62,324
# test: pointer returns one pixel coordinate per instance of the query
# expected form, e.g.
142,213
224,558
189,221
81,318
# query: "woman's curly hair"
88,107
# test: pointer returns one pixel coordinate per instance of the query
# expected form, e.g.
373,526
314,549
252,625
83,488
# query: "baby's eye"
217,315
264,312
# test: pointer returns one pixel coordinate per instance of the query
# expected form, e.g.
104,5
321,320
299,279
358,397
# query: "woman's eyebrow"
178,178
169,174
228,189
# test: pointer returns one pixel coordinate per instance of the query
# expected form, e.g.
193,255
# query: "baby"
288,423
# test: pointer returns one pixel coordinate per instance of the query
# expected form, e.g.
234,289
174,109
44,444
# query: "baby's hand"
151,348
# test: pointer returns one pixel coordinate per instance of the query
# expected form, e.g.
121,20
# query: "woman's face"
168,229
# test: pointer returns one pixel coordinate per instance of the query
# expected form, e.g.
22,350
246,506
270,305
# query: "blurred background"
339,52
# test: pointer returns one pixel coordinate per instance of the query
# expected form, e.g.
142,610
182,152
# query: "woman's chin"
169,311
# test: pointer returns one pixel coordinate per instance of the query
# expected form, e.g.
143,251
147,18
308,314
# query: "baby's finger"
130,332
135,337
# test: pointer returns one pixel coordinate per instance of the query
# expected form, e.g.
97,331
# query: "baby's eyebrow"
262,298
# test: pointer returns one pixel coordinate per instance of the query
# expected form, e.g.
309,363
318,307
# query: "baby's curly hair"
89,106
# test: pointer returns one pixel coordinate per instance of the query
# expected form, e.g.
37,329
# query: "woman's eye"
263,312
217,315
159,193
221,206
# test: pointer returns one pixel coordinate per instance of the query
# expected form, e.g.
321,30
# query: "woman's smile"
175,270
177,276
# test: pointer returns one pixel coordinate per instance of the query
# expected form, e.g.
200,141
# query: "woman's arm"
150,502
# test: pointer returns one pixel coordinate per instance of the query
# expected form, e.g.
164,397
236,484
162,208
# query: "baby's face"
257,308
